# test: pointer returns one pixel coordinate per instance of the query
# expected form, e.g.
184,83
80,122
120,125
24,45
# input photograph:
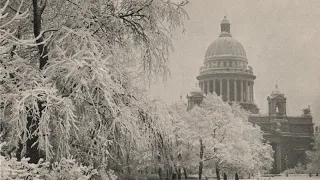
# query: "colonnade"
238,90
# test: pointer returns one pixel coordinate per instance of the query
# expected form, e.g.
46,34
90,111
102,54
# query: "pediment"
277,96
197,94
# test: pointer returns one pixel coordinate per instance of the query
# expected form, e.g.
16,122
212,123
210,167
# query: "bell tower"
195,97
277,103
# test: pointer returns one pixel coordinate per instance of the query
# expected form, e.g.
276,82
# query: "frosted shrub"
13,169
65,169
314,155
298,169
70,169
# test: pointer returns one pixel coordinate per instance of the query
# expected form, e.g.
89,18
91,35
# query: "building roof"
195,91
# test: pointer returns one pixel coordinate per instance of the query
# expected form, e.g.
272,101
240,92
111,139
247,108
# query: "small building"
227,73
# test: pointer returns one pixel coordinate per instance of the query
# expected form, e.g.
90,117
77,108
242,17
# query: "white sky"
281,38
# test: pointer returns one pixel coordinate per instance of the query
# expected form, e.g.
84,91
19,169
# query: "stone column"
241,90
228,90
211,86
221,87
208,86
278,158
214,85
246,90
249,91
205,87
235,90
252,100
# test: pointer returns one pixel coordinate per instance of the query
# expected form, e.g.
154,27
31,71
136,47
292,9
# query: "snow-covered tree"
314,156
185,152
229,142
261,153
77,86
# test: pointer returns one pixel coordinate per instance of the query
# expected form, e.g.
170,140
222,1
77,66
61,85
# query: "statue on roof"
306,112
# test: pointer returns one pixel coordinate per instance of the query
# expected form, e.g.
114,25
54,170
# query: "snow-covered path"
288,178
296,178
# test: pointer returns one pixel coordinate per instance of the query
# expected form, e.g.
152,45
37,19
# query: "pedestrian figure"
225,176
237,176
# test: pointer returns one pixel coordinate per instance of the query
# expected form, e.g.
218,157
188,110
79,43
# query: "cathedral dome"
225,46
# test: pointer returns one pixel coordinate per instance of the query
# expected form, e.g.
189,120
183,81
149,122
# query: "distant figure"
225,176
237,176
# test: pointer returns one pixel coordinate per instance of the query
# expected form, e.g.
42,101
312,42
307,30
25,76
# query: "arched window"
225,64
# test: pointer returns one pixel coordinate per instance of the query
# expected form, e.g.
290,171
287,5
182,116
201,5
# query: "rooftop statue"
306,112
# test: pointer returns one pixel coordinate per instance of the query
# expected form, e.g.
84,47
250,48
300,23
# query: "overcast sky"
281,39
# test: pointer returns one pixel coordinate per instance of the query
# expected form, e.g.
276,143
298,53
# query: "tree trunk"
172,175
160,173
225,177
128,162
179,174
30,147
217,173
43,50
27,150
185,173
201,158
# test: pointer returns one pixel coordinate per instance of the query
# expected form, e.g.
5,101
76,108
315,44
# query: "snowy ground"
282,177
302,177
289,178
298,177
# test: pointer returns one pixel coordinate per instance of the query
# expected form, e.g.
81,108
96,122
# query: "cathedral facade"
227,73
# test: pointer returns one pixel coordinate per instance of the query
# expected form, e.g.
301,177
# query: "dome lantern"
225,25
